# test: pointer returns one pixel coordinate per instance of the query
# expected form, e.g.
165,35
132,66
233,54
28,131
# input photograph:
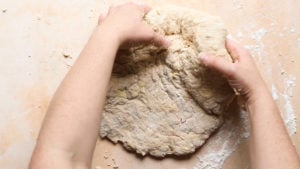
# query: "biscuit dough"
161,101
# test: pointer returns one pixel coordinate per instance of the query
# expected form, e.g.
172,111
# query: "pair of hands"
126,21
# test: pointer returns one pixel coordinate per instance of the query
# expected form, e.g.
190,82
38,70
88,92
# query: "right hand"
126,21
242,74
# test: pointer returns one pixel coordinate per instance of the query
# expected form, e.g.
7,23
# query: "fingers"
217,63
236,51
151,37
156,40
232,49
160,41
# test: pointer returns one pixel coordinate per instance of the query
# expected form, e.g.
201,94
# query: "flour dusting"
289,113
239,35
259,34
274,92
226,141
228,138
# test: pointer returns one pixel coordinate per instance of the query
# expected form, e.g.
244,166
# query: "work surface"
40,40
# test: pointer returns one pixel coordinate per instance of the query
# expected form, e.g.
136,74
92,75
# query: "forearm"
270,145
69,132
73,118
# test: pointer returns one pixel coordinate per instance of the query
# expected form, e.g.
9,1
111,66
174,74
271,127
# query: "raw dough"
163,102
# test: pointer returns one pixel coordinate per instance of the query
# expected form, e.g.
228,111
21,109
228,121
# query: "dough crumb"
67,56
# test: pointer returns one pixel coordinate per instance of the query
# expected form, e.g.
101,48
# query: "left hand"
126,21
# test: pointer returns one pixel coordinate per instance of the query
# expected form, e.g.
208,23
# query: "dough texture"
161,101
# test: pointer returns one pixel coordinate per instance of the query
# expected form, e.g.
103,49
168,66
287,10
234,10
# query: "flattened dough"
163,102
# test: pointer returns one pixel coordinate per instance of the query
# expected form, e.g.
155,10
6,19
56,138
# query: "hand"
242,74
127,22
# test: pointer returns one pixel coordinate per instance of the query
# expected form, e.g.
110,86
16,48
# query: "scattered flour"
240,35
226,141
238,4
289,113
258,47
293,30
259,35
274,92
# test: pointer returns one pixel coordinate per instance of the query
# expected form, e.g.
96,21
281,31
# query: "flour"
289,113
229,136
259,35
220,147
274,92
240,35
224,143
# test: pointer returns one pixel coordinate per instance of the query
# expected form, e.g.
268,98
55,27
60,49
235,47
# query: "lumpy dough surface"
161,101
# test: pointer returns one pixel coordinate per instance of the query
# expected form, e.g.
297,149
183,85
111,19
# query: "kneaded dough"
161,101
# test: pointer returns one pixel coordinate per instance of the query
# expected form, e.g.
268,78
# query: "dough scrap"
162,102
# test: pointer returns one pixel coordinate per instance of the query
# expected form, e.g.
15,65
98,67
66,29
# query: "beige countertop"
35,35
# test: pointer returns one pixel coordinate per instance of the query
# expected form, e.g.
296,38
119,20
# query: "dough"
163,102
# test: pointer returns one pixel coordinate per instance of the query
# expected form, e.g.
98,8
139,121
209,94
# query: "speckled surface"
35,36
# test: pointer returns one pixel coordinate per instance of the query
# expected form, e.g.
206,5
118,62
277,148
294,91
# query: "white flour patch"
228,138
289,113
274,92
293,30
258,35
224,143
239,35
238,5
258,48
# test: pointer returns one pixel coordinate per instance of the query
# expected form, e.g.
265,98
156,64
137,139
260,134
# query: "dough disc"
162,102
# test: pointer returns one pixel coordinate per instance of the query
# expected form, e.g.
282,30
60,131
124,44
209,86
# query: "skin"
69,132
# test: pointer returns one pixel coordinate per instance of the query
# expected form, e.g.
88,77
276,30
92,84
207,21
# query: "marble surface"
36,35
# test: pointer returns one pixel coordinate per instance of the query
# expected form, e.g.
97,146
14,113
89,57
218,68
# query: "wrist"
110,34
261,105
259,95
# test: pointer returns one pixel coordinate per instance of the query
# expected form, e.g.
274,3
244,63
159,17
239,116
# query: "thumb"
152,37
160,41
218,63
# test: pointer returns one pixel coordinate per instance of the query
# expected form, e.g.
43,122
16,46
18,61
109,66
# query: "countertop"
40,40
